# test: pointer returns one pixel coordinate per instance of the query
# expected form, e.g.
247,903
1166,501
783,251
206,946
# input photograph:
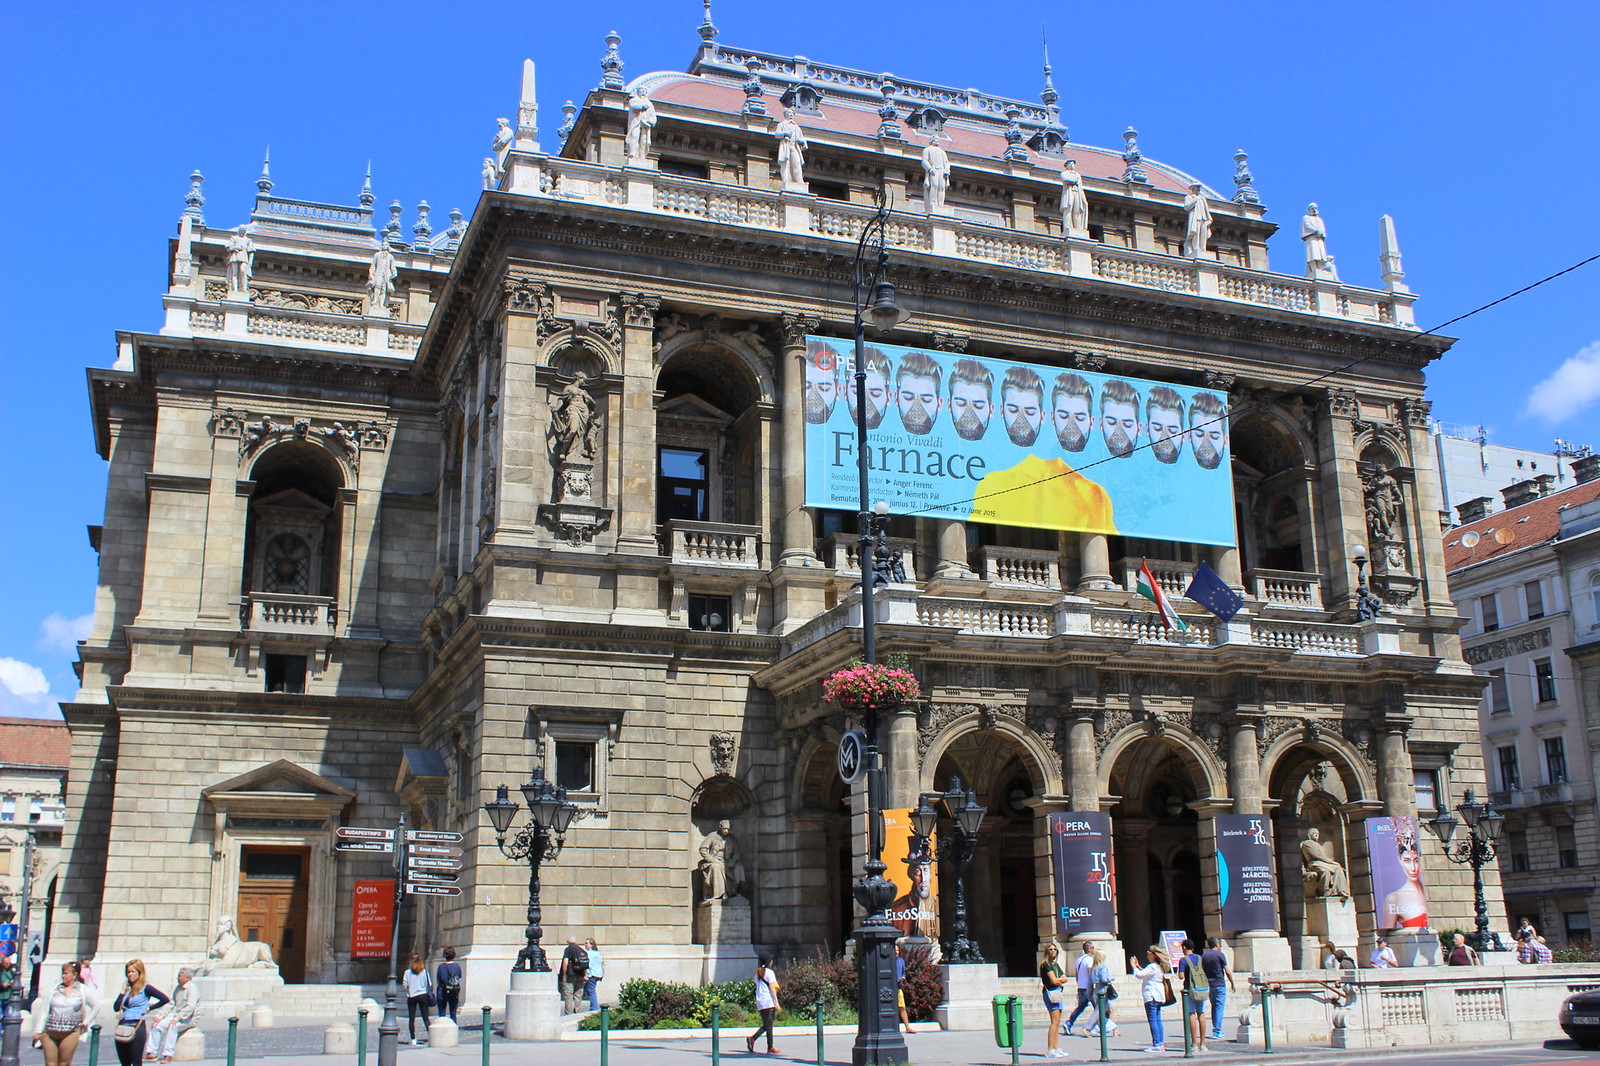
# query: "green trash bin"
1007,1022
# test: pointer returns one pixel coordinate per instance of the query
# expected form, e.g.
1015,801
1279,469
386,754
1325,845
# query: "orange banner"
915,910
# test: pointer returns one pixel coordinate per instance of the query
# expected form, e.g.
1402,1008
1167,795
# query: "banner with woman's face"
1398,894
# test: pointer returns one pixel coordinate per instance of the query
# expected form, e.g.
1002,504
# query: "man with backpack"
574,975
1197,994
447,981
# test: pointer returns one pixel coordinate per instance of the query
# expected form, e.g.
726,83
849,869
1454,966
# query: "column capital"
796,325
950,342
639,310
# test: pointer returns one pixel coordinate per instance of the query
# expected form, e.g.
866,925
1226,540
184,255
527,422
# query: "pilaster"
797,546
636,496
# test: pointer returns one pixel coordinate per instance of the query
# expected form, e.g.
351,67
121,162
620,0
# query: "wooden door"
273,895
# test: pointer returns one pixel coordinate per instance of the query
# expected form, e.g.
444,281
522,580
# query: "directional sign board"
439,876
365,845
430,836
432,890
437,851
417,862
363,832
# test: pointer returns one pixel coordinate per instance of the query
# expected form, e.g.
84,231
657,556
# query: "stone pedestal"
192,1045
339,1039
969,989
261,1017
442,1032
227,993
723,926
1332,919
533,1007
1259,951
1415,947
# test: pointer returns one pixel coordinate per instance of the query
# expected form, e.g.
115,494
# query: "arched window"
292,532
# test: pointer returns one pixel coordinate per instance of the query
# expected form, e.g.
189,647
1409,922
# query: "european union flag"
1211,592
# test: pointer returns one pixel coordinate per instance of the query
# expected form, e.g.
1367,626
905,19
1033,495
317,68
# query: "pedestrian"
448,980
1156,991
1526,929
1084,964
900,987
86,974
185,1001
766,1004
136,1000
1053,979
1102,991
1197,994
60,1021
597,973
419,993
1219,981
574,975
1534,950
1460,954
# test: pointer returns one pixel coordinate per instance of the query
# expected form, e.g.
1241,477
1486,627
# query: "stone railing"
1271,290
279,612
713,544
1312,638
715,202
1173,576
1144,627
840,553
835,218
1286,588
987,617
1169,273
1023,567
307,326
991,245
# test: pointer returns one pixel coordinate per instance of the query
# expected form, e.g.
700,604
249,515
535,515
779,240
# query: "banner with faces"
1020,444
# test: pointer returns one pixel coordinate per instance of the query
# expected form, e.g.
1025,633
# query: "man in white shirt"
1383,956
1085,996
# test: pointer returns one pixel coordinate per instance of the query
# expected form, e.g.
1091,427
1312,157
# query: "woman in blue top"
133,1006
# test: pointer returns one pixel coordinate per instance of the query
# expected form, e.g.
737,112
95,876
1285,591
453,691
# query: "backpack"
452,978
1195,978
579,964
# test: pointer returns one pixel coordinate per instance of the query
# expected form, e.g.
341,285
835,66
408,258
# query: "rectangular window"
711,614
1555,760
1544,680
285,673
575,765
829,190
1499,694
1577,926
1490,606
685,484
1426,783
1566,847
1517,846
8,809
683,168
1510,776
1535,597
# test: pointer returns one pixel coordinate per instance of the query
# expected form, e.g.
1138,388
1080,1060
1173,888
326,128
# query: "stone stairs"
314,1001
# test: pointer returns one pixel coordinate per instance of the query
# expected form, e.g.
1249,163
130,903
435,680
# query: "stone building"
34,757
1528,580
393,521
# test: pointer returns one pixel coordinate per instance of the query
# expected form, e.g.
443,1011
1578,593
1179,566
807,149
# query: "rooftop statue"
1314,232
381,277
240,267
641,127
1074,202
936,178
490,173
503,136
791,150
1197,232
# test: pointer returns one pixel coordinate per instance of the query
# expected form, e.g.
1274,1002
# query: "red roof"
1535,522
963,140
32,742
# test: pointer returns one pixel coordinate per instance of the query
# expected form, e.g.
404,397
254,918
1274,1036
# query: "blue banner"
1019,444
1247,886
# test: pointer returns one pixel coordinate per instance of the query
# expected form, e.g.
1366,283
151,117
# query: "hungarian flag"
1152,592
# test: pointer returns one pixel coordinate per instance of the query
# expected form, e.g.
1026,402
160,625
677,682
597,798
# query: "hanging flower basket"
871,686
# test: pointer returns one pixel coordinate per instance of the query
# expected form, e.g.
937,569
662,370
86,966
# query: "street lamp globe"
501,811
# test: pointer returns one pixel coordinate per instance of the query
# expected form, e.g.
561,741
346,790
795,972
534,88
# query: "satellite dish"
1504,536
1469,540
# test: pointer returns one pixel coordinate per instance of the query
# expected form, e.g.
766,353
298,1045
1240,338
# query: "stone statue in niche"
1074,202
791,151
1325,877
572,420
641,127
936,178
381,277
1197,230
240,265
1382,500
721,865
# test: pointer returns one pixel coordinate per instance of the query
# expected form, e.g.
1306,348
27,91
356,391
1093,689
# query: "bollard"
233,1040
1266,1016
361,1037
1100,1012
605,1036
716,1035
94,1044
1183,1020
1014,1023
484,1039
821,1058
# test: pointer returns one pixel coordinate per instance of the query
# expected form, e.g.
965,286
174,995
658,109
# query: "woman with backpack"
448,981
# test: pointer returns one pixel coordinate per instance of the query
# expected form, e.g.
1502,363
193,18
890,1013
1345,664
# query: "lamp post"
1483,830
1368,606
537,841
878,1038
966,814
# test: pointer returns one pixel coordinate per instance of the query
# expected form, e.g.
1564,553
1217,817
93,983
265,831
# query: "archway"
1316,787
823,850
1156,830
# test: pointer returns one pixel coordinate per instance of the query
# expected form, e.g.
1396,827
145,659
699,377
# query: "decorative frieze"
1505,647
345,440
305,301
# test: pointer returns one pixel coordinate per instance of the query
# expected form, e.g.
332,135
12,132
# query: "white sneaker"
1157,1048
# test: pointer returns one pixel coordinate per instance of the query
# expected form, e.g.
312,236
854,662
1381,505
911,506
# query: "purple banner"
1246,878
1085,874
1398,896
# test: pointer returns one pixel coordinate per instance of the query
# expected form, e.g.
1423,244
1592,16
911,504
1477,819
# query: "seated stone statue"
1324,877
228,952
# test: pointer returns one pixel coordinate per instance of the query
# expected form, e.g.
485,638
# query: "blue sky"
1473,124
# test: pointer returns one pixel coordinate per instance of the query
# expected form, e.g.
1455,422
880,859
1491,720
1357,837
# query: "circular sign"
852,756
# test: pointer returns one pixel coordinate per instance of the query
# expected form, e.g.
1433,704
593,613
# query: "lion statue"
228,952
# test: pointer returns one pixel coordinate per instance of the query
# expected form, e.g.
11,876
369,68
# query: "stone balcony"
804,214
206,309
716,544
282,614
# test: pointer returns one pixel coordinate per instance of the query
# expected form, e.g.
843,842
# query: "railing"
841,553
1024,567
1144,627
280,612
715,202
1560,792
986,617
833,218
1310,637
992,246
1152,272
714,544
1272,290
306,326
576,179
1287,588
404,340
1173,576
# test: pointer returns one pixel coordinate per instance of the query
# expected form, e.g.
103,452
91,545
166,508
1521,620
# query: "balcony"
1171,576
1020,568
1286,588
717,544
282,614
840,554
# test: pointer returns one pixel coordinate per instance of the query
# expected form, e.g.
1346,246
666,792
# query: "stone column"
636,438
227,516
1225,561
1344,507
1253,949
797,547
1133,885
900,758
1396,784
952,550
1427,560
1083,764
1095,551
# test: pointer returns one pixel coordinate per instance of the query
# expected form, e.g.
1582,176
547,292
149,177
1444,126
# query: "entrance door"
273,893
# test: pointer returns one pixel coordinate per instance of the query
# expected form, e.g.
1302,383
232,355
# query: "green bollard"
1014,1023
484,1038
1184,1007
605,1036
94,1044
821,1058
1100,1012
233,1040
1266,1016
716,1034
361,1037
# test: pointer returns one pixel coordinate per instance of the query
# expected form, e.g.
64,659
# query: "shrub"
638,995
620,1019
732,995
804,982
842,972
924,987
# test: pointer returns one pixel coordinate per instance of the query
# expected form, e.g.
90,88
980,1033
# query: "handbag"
1055,996
124,1033
1172,997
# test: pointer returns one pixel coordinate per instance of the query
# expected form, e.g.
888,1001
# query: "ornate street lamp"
1368,606
551,814
878,1038
1483,831
966,814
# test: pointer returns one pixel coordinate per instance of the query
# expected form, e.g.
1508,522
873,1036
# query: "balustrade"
714,544
280,612
1025,567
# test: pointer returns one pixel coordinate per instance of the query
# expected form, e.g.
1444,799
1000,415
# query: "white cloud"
62,633
1573,386
23,687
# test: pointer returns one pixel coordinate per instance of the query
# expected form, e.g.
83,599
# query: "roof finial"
1389,256
611,64
1134,171
194,199
708,29
391,231
367,199
1049,96
1244,180
889,124
1015,151
569,111
423,229
753,104
264,182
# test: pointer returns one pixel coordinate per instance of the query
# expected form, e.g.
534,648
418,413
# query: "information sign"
432,890
372,919
364,832
431,836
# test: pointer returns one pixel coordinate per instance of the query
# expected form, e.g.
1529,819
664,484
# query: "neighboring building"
1528,578
1472,472
372,544
34,756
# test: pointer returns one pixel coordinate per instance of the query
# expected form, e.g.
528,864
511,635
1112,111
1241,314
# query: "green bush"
638,995
924,987
620,1019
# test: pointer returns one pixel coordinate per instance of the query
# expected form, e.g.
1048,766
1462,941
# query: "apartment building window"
1510,776
1577,925
1555,760
8,809
1426,785
1534,594
1499,694
1490,606
1566,847
713,614
1517,848
1544,680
